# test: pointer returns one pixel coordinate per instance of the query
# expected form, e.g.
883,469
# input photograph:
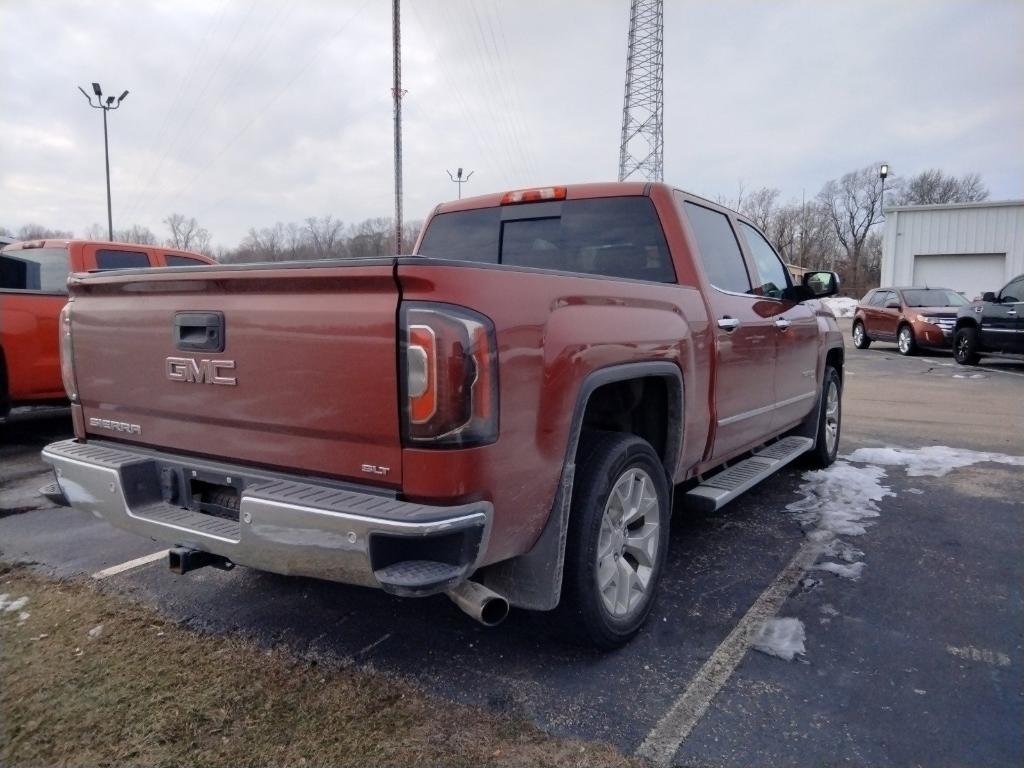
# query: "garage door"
972,274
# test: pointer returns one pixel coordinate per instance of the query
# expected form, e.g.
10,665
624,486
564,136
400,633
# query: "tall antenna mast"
640,153
396,33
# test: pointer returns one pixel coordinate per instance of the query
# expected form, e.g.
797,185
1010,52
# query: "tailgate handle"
199,331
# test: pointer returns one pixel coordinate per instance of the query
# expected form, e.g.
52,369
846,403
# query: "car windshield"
933,297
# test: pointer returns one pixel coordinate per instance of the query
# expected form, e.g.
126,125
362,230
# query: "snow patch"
840,500
12,605
840,305
781,637
23,617
851,571
933,460
829,610
95,631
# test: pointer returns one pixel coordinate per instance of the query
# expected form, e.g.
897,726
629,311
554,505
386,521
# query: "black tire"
824,451
965,346
908,347
861,340
604,459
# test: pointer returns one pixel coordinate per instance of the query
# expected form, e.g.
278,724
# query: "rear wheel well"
965,322
834,358
639,406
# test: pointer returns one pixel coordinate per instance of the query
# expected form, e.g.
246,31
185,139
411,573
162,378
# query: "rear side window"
109,259
35,269
719,250
772,274
615,237
174,260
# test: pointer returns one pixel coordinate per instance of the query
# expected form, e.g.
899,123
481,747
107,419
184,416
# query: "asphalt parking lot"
916,661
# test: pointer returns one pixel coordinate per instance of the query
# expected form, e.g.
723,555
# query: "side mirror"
892,304
821,284
990,297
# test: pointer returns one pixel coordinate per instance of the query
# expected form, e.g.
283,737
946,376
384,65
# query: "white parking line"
664,739
138,562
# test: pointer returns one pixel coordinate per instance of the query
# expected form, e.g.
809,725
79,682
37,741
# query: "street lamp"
883,171
106,106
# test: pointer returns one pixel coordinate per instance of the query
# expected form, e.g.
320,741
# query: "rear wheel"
860,336
965,346
830,421
618,537
905,340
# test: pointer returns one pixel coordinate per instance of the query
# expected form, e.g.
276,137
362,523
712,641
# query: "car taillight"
533,195
67,354
449,377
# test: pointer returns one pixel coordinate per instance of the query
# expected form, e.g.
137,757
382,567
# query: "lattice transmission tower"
640,153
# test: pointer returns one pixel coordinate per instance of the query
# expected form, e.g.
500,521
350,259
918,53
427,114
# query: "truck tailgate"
307,377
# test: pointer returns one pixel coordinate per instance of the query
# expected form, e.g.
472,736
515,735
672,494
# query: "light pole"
106,106
457,178
883,171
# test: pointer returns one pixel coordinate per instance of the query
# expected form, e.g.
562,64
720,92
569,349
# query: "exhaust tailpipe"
483,604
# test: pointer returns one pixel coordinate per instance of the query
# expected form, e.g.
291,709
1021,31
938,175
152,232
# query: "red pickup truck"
33,289
502,416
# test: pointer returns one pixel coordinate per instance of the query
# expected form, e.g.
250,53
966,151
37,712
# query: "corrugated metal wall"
934,230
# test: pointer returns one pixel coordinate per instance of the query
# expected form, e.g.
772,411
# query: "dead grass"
145,691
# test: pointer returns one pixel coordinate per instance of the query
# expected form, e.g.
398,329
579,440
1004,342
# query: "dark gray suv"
993,325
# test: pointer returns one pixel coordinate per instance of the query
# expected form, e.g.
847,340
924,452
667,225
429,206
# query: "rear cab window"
109,258
34,269
612,237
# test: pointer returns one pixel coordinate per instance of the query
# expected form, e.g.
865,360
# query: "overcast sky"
248,112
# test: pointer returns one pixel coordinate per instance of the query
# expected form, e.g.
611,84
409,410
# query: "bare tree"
136,234
39,232
933,187
186,234
853,206
325,236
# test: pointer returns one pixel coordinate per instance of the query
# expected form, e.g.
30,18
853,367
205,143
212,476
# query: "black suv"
994,324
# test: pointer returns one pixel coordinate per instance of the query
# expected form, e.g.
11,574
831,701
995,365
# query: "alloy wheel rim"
904,340
832,417
627,545
858,333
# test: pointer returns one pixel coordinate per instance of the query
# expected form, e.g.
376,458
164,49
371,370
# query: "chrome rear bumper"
284,524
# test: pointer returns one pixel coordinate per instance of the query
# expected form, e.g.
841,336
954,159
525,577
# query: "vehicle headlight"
928,319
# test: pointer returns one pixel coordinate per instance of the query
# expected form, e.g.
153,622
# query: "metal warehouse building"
969,247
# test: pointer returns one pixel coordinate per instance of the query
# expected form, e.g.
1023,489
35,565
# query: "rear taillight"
449,379
533,195
67,354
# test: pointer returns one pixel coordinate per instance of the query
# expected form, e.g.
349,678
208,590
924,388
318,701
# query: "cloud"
244,112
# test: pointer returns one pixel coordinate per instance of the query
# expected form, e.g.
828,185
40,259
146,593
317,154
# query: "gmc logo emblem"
200,371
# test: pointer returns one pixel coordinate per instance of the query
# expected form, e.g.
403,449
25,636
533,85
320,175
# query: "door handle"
729,324
1011,311
782,324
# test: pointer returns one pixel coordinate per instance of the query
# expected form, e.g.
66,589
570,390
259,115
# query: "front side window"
774,279
111,259
1013,293
719,250
34,269
174,260
613,237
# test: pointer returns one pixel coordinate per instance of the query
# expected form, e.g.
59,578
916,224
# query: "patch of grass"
144,691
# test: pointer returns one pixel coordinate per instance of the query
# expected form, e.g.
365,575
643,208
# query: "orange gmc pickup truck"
502,416
33,289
